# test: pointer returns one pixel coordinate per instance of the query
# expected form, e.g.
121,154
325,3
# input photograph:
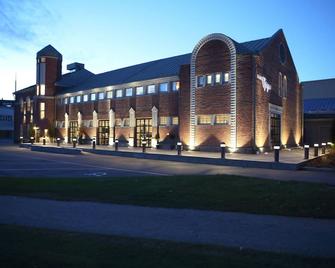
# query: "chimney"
75,66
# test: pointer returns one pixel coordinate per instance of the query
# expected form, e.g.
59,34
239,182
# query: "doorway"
73,131
103,132
143,131
275,129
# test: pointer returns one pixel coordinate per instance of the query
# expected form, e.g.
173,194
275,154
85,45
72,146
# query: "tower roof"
50,51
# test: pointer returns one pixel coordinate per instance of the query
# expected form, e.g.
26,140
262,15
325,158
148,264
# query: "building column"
132,125
95,124
80,127
66,125
155,130
111,126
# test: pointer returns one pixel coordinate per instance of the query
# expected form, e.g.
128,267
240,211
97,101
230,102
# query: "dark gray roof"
319,106
74,78
150,70
49,50
26,89
319,89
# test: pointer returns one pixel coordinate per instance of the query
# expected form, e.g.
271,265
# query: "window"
163,120
280,84
201,81
118,122
28,104
222,119
129,92
175,86
42,90
151,89
119,93
209,79
204,119
71,99
37,90
93,96
175,120
284,86
226,77
139,91
78,99
21,105
109,94
218,78
85,98
42,110
66,100
163,87
101,95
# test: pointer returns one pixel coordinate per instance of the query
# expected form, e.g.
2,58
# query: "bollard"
58,142
323,148
43,139
32,140
316,149
21,139
306,150
277,148
74,141
116,145
179,144
223,150
144,145
93,143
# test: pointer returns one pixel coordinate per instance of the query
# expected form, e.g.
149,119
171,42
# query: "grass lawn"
30,247
220,192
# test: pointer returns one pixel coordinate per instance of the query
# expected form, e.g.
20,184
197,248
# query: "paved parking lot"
22,162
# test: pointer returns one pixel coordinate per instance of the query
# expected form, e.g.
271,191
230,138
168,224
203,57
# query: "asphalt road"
21,162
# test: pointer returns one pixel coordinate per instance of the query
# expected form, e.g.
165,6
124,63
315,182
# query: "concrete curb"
200,160
48,149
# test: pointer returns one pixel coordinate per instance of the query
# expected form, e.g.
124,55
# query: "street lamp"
179,147
223,150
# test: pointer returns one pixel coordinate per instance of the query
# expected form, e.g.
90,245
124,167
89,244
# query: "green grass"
221,192
30,247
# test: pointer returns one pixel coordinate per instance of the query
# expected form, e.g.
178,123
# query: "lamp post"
43,139
323,148
93,143
316,149
74,141
21,139
32,140
306,151
179,146
276,154
223,150
58,142
144,145
116,145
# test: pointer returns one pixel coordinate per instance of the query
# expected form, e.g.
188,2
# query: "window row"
213,119
282,85
167,120
6,118
213,79
120,93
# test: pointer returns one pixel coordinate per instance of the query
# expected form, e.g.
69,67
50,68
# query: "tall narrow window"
280,84
139,91
226,77
200,81
175,86
284,86
42,90
218,78
109,94
151,89
85,98
66,100
101,95
119,93
93,96
209,79
71,99
42,110
78,99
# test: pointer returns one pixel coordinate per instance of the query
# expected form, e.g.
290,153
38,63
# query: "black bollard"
306,151
43,139
316,149
93,144
223,150
144,146
323,148
116,145
21,139
179,146
74,141
276,153
58,142
32,140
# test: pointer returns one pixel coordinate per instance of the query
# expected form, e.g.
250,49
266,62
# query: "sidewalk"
305,236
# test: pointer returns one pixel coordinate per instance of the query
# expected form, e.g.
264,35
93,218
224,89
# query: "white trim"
232,50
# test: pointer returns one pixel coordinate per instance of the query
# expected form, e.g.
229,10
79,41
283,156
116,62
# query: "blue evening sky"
106,35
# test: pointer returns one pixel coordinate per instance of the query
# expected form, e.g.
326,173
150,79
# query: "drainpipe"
253,89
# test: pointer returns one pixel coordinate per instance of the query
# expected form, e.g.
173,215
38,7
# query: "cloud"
21,22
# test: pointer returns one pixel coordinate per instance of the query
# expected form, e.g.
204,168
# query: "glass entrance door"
103,132
275,129
73,131
143,131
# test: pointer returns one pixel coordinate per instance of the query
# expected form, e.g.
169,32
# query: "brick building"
246,95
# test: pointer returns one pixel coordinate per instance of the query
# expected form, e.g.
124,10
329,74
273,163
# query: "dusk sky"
106,35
